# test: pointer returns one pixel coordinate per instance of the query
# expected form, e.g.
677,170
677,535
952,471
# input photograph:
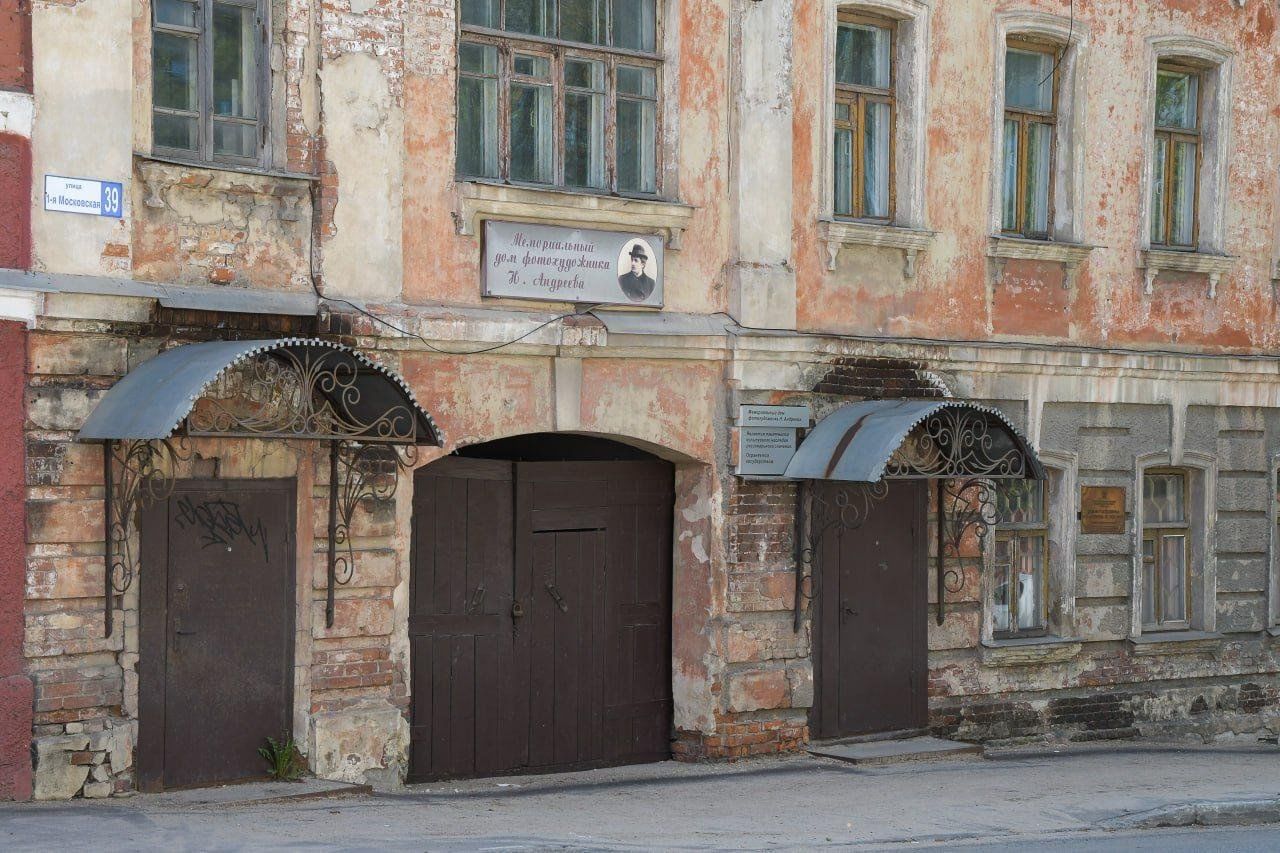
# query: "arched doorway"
540,608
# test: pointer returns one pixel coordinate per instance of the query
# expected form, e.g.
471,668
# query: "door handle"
556,597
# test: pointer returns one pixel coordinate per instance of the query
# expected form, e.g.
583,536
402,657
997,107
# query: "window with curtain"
864,118
1175,159
1030,119
561,93
209,80
1166,548
1019,600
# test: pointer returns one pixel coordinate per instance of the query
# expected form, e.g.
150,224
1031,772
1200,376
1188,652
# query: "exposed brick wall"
742,739
878,378
15,45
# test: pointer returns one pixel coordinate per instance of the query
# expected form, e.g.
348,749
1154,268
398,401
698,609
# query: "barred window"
560,94
1019,600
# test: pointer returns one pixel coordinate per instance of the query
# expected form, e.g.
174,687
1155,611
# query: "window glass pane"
582,20
1173,576
235,62
235,138
528,65
844,172
1020,501
875,160
1149,584
530,16
1177,98
174,131
173,60
1159,167
477,58
862,55
531,127
478,127
1000,594
584,124
175,12
1162,498
1029,572
1028,80
1009,204
634,24
1182,224
1039,152
633,80
842,112
636,138
481,13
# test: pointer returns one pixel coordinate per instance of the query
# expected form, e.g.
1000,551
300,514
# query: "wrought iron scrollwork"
146,476
358,472
282,394
957,442
847,508
965,507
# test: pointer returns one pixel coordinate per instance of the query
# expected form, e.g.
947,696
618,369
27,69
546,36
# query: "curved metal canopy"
295,388
870,440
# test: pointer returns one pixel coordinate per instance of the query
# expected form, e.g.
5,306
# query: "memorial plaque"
796,417
765,451
1102,509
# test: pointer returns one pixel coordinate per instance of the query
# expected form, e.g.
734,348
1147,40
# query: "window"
209,80
1175,158
864,117
1029,148
1019,600
1165,550
560,94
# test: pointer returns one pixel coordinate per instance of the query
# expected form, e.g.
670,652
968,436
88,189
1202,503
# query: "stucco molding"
477,201
911,82
1045,650
1072,37
1202,513
837,234
1152,261
17,112
1216,105
23,306
1070,255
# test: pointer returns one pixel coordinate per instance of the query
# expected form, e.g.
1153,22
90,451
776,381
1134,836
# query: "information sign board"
83,195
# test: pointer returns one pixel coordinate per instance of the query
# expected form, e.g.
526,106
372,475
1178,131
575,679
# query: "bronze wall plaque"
1102,509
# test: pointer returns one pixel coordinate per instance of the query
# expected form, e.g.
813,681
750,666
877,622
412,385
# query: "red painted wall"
16,699
15,201
15,45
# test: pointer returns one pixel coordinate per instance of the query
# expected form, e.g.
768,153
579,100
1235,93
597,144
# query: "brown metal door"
563,660
216,631
872,656
465,695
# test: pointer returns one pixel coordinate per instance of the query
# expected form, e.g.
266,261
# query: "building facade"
1046,232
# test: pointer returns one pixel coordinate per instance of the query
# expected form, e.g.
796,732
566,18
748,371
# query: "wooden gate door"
872,611
541,627
216,631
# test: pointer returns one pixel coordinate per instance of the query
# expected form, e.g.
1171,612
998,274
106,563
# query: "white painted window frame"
1202,569
911,87
1215,135
1069,131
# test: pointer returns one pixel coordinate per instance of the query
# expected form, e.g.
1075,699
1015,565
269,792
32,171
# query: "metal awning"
358,399
868,441
282,389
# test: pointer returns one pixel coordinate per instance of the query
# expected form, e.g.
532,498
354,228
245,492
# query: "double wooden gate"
540,616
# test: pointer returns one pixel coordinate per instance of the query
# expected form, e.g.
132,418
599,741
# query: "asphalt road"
1188,840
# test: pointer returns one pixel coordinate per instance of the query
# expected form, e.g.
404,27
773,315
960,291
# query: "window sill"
1156,260
1070,255
1176,643
839,233
1029,651
287,188
477,201
1274,630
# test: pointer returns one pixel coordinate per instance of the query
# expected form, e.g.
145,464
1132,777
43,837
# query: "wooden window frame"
510,43
1154,532
1013,532
1024,118
857,97
203,114
1168,137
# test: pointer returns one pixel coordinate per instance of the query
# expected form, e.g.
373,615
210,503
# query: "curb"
1227,813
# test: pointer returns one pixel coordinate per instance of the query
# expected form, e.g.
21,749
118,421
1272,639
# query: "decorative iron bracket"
972,510
357,472
147,470
814,519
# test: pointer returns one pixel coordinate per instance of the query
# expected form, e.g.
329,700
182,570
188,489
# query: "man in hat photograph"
637,284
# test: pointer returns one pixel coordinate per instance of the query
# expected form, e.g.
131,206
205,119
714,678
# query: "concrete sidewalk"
780,803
